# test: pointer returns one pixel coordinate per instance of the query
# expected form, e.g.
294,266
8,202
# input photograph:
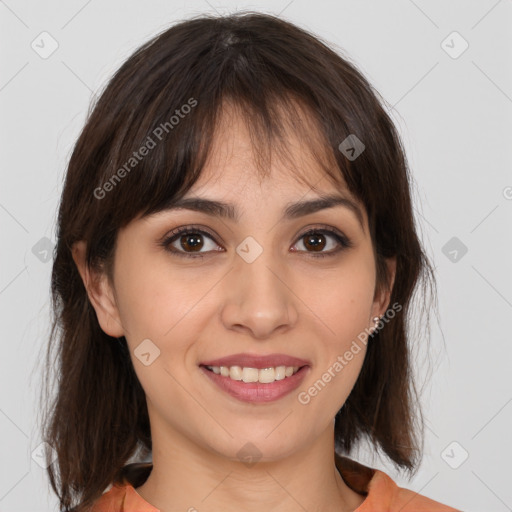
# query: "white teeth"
246,374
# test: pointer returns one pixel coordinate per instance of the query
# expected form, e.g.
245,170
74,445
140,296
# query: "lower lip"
255,391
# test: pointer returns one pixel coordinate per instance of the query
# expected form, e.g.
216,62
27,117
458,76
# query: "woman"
235,262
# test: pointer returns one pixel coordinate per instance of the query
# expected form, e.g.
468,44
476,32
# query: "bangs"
280,127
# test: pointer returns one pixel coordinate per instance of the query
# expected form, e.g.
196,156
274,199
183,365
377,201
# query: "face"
257,285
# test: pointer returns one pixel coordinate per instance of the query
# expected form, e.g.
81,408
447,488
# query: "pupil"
196,243
317,245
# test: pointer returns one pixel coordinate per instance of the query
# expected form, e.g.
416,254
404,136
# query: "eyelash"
343,241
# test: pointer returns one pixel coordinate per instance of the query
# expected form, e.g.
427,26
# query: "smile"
247,374
256,385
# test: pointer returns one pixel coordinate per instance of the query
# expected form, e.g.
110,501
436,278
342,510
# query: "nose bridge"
259,267
260,272
259,297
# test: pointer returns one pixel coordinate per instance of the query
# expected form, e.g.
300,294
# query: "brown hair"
270,70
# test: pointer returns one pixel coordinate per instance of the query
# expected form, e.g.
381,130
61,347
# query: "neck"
185,477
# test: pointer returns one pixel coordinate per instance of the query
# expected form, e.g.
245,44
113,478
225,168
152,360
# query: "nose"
258,297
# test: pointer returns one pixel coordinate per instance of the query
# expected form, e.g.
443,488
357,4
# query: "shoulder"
382,493
122,496
111,500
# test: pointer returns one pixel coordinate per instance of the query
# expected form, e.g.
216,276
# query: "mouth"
249,374
256,385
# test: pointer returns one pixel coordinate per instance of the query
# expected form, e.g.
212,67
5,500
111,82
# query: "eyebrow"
291,211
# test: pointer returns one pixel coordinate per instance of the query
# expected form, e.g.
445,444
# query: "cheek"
155,299
153,296
342,300
342,297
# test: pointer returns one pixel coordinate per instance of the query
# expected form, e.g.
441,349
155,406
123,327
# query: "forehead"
295,180
291,161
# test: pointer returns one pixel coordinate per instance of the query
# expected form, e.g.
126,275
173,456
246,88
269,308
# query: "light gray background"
455,118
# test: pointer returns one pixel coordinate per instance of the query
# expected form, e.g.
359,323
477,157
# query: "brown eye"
187,241
192,242
316,240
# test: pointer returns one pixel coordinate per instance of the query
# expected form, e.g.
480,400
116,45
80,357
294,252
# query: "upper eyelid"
331,231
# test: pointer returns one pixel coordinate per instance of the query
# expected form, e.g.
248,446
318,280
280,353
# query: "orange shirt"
382,493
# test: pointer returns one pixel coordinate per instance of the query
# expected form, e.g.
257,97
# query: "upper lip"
259,362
